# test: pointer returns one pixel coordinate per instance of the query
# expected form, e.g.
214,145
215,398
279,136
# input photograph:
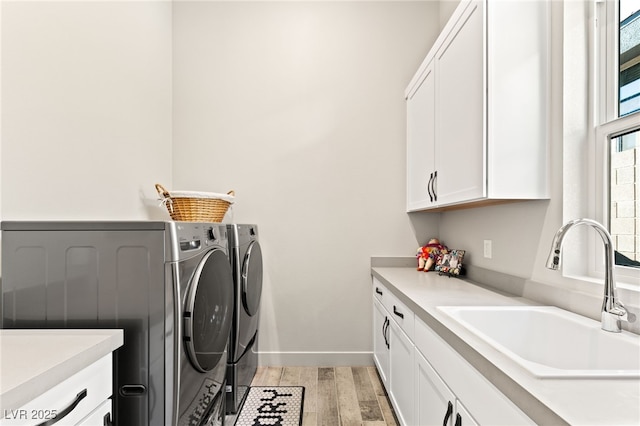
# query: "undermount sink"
552,343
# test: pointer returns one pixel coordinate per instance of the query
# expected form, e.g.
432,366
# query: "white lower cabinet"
82,399
427,381
100,416
381,341
483,403
435,404
401,373
462,415
393,354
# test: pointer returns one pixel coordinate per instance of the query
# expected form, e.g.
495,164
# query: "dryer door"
208,310
252,279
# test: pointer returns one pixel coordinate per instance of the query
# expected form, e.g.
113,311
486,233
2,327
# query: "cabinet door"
401,374
420,144
380,342
460,98
101,416
463,415
435,403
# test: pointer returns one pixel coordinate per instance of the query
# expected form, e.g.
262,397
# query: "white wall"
86,109
298,107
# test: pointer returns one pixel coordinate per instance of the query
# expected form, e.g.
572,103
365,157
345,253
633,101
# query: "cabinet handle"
429,187
378,291
385,327
395,311
448,414
458,420
386,333
64,412
107,420
433,185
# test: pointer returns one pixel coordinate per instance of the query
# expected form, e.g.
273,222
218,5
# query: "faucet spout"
612,310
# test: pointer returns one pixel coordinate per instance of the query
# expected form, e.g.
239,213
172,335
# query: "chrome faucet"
612,310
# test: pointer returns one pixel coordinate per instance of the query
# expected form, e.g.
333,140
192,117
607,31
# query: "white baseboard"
315,359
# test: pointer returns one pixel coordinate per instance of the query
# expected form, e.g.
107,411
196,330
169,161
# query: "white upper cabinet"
477,109
420,143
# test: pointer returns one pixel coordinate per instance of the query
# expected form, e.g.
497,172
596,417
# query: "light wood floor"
334,396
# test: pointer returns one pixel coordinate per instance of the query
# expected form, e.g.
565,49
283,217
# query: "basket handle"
232,193
166,197
162,191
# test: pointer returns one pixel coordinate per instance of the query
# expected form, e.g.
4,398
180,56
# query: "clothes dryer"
167,284
246,264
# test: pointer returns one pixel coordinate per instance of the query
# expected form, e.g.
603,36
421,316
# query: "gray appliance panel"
66,279
243,344
196,388
82,225
245,325
128,275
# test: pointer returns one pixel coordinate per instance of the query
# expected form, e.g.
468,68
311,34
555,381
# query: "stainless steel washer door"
252,279
208,310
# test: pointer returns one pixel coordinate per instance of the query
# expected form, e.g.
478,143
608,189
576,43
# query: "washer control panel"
189,238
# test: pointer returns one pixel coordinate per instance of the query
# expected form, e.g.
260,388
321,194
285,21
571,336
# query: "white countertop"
546,401
33,361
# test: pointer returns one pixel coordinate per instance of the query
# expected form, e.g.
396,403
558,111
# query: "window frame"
607,126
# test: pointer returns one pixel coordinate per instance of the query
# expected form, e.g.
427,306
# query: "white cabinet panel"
401,373
69,401
486,403
434,401
393,350
380,341
401,314
380,292
477,109
460,106
463,418
420,144
518,91
397,310
101,416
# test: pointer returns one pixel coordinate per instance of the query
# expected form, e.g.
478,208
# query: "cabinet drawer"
397,310
380,292
71,400
401,314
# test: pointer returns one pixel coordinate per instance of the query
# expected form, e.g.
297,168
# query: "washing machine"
168,285
246,264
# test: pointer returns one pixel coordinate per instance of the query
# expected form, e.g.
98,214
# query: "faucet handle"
619,310
612,317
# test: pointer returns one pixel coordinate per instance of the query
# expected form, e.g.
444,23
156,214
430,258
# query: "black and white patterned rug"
272,406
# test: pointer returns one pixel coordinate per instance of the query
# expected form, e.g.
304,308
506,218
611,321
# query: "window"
629,57
623,215
617,133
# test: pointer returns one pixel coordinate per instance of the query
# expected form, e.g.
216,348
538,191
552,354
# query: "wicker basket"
190,206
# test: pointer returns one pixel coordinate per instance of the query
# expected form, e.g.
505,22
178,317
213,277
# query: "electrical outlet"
487,249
